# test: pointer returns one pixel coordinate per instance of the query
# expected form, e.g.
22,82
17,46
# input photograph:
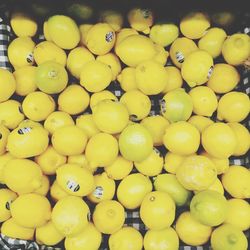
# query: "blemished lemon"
100,96
172,162
238,214
45,186
11,114
212,41
228,237
20,52
161,55
76,60
132,189
84,29
174,79
155,206
100,38
7,85
126,238
63,31
233,107
137,103
135,143
123,33
31,210
119,169
23,25
200,122
194,25
4,133
104,188
50,160
95,76
80,160
182,138
4,159
37,106
76,105
236,182
70,215
236,49
148,72
219,140
56,120
88,239
191,231
101,150
197,68
164,34
135,49
48,234
48,51
204,101
56,192
6,198
113,18
127,79
180,49
11,229
164,239
109,216
196,173
224,78
110,116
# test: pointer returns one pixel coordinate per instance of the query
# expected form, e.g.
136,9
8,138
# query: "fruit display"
110,114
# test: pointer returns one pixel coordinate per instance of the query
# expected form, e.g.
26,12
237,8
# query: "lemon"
6,198
168,183
200,122
100,38
76,60
101,150
181,138
29,123
236,182
236,49
174,79
84,29
209,208
156,125
11,114
20,52
70,215
132,189
197,68
191,231
23,25
204,101
165,239
63,31
155,206
110,116
88,239
81,11
127,79
212,41
46,31
228,237
113,18
104,188
233,107
238,214
135,49
223,18
172,162
196,173
161,55
216,186
149,72
219,140
140,19
56,192
135,143
180,49
164,34
4,133
119,169
113,62
152,165
11,229
45,186
80,160
69,140
37,106
194,25
95,76
176,105
123,33
4,159
7,85
126,238
31,210
75,180
48,234
224,78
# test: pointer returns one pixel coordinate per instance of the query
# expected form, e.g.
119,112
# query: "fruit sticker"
7,205
179,57
30,58
210,71
73,186
98,193
109,36
24,130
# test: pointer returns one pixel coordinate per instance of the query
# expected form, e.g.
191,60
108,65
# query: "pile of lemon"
51,148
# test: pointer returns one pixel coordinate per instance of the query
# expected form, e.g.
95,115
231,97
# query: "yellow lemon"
216,186
174,79
46,31
123,33
4,133
161,55
45,186
100,96
6,198
172,162
56,192
200,122
4,159
7,84
113,18
127,79
84,29
29,123
80,160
